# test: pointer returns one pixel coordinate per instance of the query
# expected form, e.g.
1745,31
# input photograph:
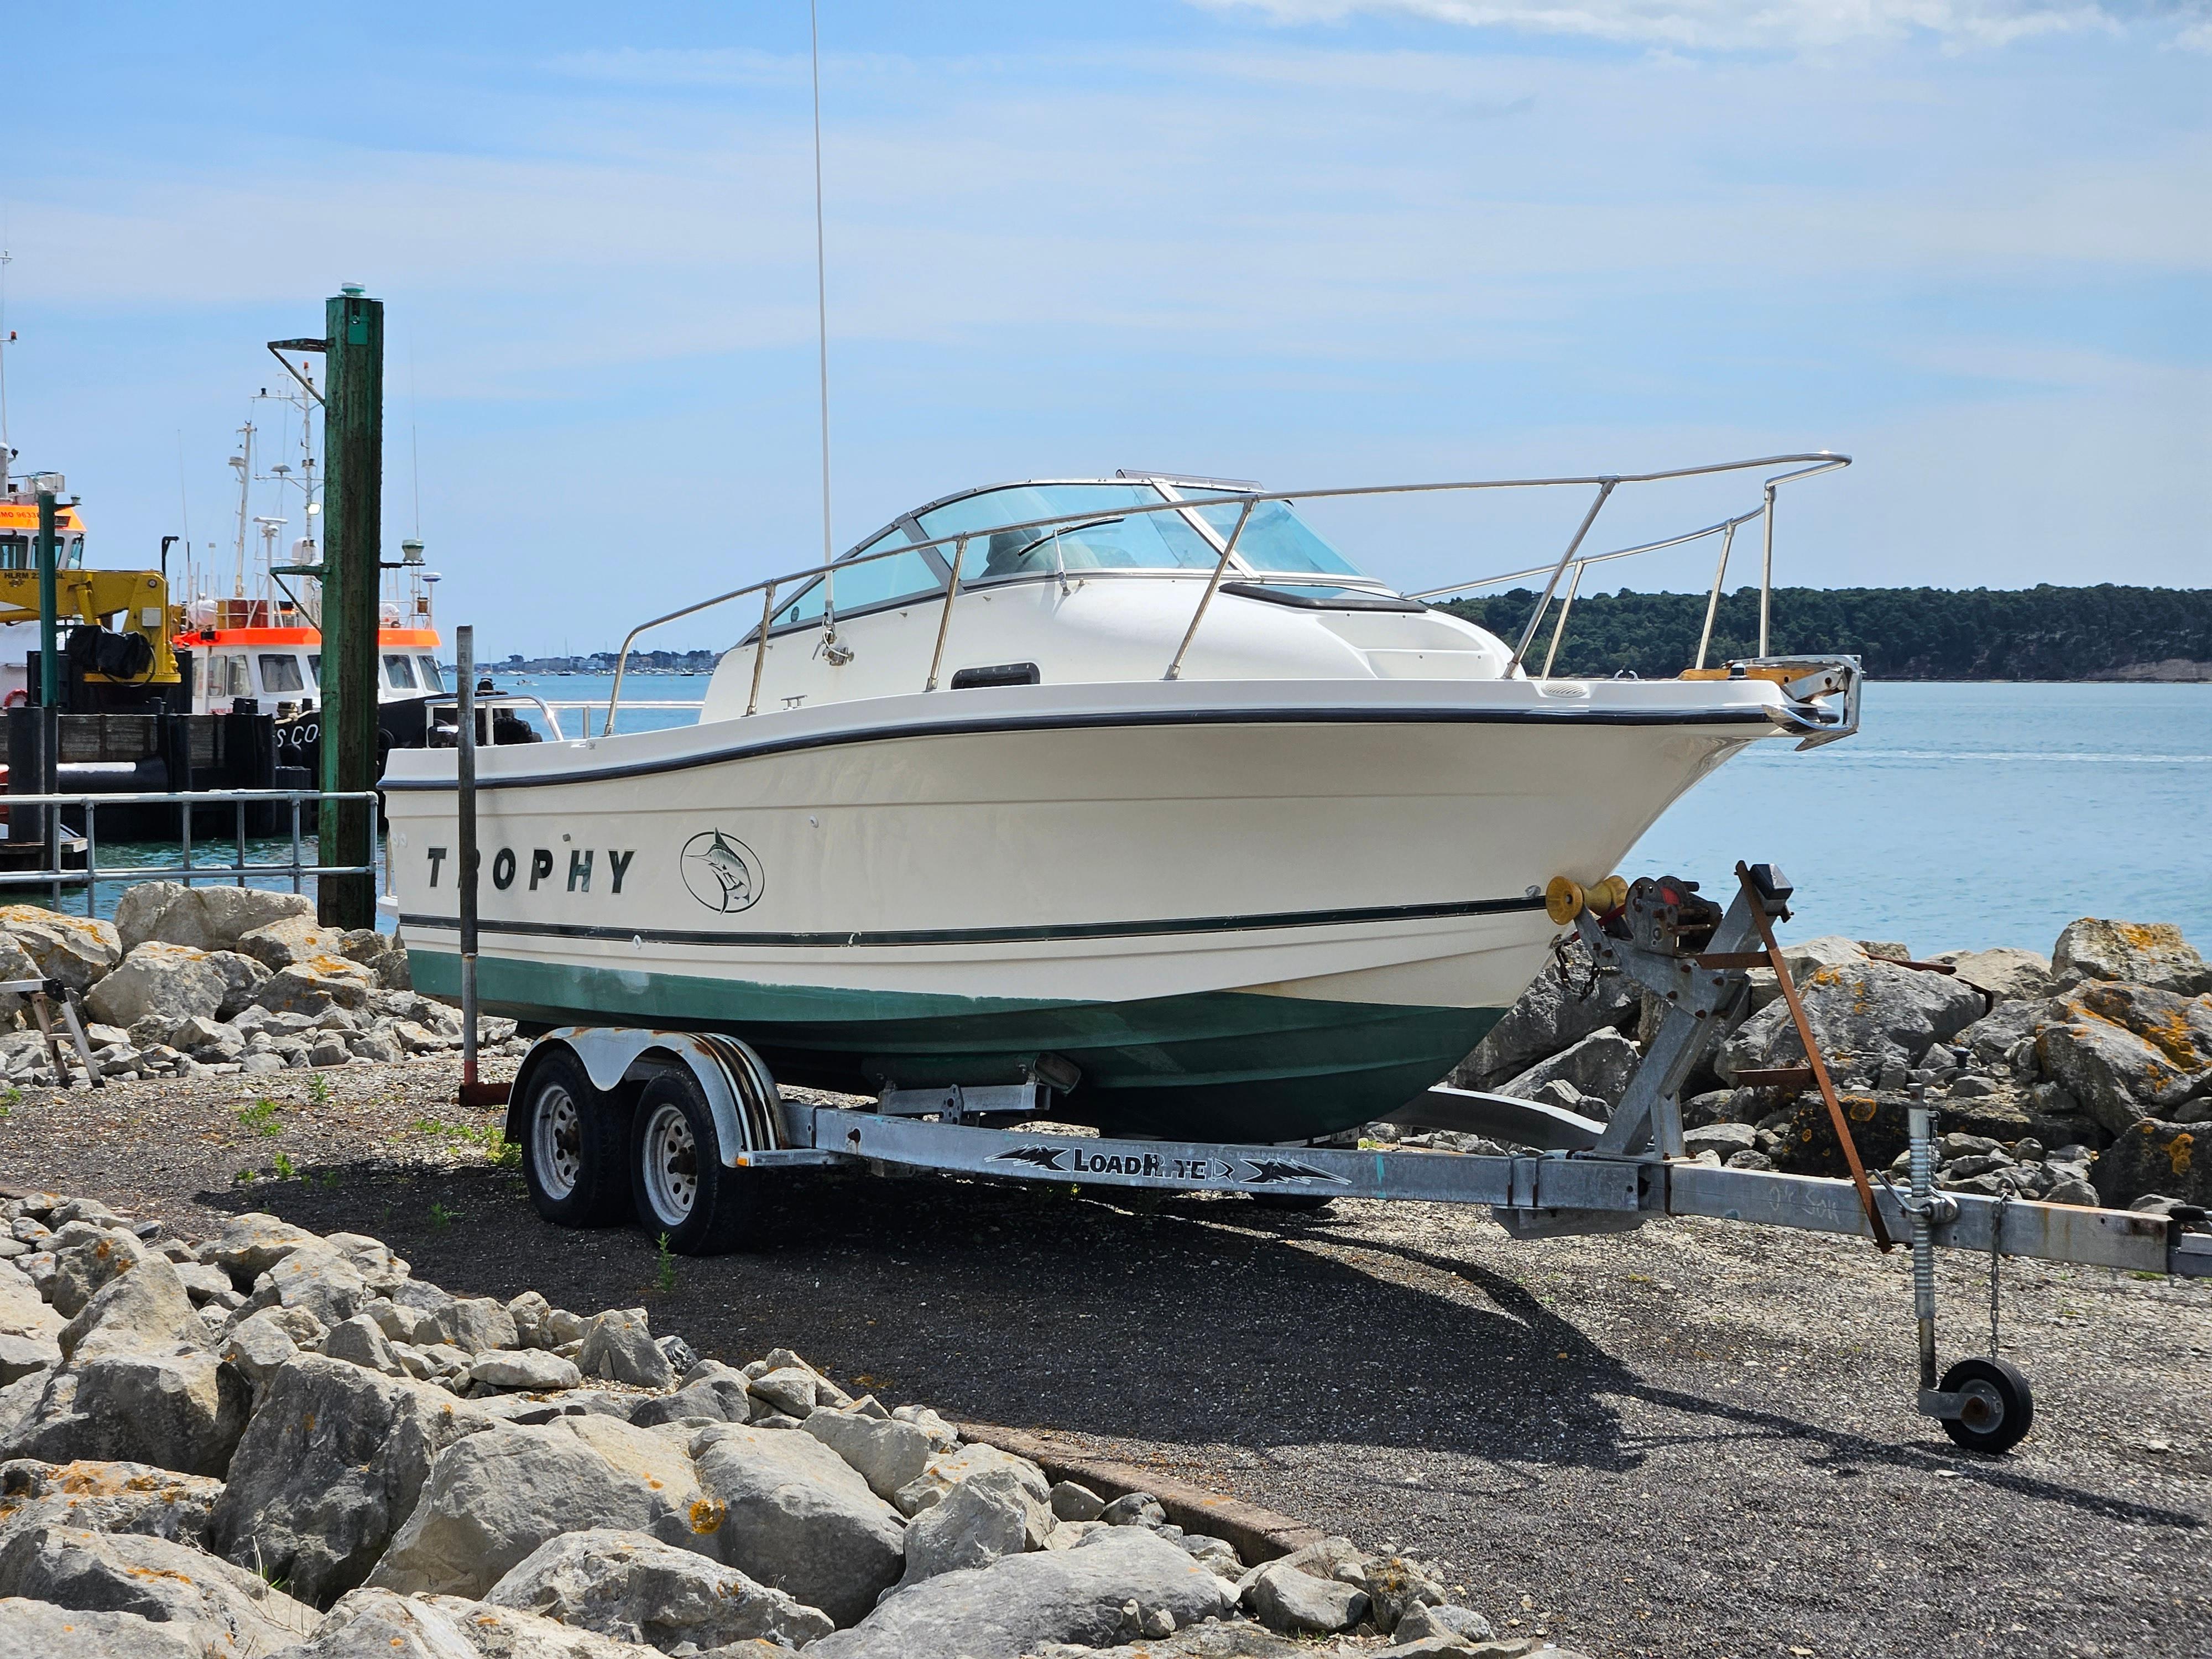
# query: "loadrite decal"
1244,1172
505,866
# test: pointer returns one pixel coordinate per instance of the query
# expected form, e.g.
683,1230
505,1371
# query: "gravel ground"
1690,1439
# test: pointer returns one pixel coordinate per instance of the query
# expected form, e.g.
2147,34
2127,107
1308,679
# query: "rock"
21,1356
2156,1157
1423,1623
949,1468
315,986
524,1367
529,1312
634,1588
1804,960
801,1519
1552,1015
494,1498
376,1624
1296,1603
2127,1051
104,1496
205,918
382,954
250,1244
1396,1587
318,1280
359,1342
40,1630
886,1454
333,1462
618,1347
706,1401
181,1410
1134,1509
288,941
479,1324
2141,953
86,1264
242,979
1865,1015
2006,974
1071,1502
165,984
1598,1066
259,1346
157,1578
1023,1603
1726,1139
981,1519
74,950
788,1389
143,1309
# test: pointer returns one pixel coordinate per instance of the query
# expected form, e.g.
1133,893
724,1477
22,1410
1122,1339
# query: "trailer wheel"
684,1191
2000,1406
572,1147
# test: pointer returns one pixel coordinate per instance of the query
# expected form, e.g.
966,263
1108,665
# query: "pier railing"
57,843
1569,566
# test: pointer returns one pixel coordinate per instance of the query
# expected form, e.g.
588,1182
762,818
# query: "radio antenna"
821,283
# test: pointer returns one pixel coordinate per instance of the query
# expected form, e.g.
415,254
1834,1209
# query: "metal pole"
464,773
1713,598
353,438
1920,1125
1766,572
1559,628
49,609
944,616
1604,489
1228,548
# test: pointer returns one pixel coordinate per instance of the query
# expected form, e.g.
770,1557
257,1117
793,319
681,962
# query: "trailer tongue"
698,1121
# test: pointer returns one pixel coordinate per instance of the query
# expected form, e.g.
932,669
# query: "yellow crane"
138,601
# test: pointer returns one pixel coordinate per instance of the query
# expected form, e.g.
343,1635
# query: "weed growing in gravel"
318,1090
440,1215
260,1117
488,1136
665,1273
284,1168
8,1098
245,1177
329,1178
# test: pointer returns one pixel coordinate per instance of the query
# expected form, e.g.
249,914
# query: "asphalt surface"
1693,1439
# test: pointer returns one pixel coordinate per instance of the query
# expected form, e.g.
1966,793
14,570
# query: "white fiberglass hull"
1262,909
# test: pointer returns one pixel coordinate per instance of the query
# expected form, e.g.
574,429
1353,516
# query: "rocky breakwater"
269,1443
2081,1076
190,981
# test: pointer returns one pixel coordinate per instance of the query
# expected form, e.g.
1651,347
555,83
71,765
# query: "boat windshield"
1143,541
903,575
1277,539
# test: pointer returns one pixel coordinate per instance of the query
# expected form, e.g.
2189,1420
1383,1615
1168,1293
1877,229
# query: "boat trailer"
702,1119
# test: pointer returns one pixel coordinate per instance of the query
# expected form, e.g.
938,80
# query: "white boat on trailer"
1134,787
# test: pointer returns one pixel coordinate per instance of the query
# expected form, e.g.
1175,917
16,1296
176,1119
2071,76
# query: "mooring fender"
740,1092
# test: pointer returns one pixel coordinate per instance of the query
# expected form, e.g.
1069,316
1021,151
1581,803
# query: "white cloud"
1738,25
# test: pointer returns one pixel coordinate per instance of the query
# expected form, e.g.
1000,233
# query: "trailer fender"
740,1090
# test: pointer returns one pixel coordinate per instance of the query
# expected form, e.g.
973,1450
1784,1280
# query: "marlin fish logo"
722,871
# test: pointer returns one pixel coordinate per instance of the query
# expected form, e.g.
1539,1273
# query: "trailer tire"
684,1193
2001,1405
574,1159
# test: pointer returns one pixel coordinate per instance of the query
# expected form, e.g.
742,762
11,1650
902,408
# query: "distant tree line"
2041,633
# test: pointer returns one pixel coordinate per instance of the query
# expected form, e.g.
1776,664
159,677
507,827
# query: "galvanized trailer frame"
1580,1176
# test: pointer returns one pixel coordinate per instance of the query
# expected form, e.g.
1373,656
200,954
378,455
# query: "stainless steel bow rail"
579,1085
1807,465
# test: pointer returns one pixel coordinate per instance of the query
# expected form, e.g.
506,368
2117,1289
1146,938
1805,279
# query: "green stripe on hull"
1212,1065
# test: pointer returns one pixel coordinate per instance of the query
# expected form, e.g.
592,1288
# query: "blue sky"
1309,241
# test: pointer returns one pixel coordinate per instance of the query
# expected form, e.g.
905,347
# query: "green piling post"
353,442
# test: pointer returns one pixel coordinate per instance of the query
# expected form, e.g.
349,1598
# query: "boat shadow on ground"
1171,1320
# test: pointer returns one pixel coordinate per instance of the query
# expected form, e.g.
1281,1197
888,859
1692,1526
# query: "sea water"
1960,816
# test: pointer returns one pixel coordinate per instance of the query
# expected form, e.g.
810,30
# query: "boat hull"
1262,913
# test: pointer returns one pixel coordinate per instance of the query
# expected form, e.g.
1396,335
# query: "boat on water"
1134,788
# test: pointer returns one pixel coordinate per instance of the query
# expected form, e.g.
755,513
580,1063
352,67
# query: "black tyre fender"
2001,1405
683,1190
571,1135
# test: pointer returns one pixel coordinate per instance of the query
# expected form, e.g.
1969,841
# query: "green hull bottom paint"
1215,1065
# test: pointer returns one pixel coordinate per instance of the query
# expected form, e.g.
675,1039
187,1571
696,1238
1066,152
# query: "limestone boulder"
801,1519
979,1520
105,1496
634,1588
377,1624
1023,1603
204,918
2006,974
182,1409
491,1499
40,1630
1555,1013
1864,1015
2140,953
242,980
359,1342
477,1324
530,1368
232,1610
618,1347
315,985
2170,1160
1296,1603
949,1468
383,954
711,1400
250,1244
886,1454
1598,1067
317,1279
144,1309
1991,1038
334,1461
286,941
85,1264
74,950
2126,1052
1804,959
166,984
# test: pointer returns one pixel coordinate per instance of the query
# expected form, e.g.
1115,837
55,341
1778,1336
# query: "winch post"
1921,1128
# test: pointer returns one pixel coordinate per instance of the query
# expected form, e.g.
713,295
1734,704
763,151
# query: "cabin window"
1276,538
315,669
235,676
1147,541
902,575
433,680
14,552
400,673
279,672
